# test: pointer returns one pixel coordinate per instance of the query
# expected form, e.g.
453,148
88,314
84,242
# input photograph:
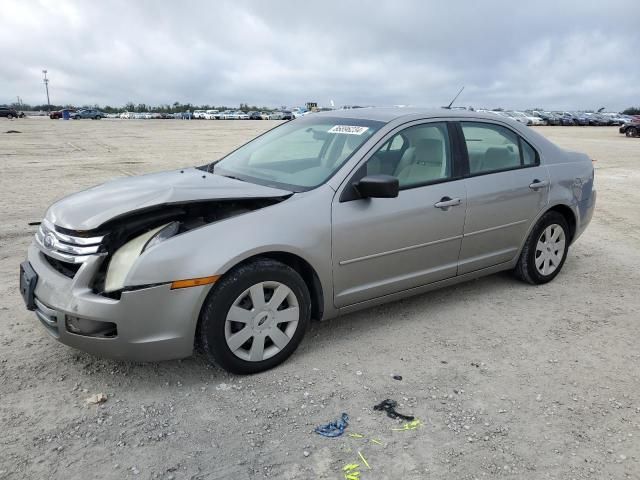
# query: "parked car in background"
597,120
255,115
566,119
211,114
265,115
91,113
240,115
511,115
276,115
358,208
548,117
532,119
227,115
286,115
199,114
10,113
299,112
580,118
631,129
60,113
126,115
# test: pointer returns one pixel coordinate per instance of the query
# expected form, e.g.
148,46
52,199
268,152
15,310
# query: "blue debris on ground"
333,429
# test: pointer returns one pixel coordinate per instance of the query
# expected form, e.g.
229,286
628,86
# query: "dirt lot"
508,380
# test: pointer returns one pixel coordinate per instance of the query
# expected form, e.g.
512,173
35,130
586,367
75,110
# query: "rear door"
506,190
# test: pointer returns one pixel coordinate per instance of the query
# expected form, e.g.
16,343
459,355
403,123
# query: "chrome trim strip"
485,230
44,309
43,318
399,250
63,247
63,256
82,241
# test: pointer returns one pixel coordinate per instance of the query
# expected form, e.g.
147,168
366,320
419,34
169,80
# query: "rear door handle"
538,184
446,202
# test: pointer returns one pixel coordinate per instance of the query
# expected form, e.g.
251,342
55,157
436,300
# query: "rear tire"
9,117
255,317
631,132
545,250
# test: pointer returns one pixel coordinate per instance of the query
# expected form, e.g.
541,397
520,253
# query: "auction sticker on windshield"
348,129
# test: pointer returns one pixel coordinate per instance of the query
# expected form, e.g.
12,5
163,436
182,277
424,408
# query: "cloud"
570,54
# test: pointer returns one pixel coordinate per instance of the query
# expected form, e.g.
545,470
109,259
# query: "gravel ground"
508,380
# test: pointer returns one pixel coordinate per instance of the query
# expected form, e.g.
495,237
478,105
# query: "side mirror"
378,186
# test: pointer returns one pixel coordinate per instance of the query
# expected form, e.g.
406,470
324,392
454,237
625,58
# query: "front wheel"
9,117
545,250
255,317
631,132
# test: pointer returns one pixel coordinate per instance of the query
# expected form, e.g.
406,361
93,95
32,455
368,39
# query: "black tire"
526,268
98,117
9,117
211,327
631,132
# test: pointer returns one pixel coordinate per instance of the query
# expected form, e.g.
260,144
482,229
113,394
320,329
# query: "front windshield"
298,155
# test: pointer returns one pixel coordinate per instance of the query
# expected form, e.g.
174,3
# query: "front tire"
545,250
255,317
631,132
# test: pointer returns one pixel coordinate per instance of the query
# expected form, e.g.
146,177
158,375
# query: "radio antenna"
454,99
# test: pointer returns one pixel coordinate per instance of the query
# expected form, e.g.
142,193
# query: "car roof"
388,114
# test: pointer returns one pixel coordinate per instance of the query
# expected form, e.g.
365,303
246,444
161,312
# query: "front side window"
493,148
417,155
298,155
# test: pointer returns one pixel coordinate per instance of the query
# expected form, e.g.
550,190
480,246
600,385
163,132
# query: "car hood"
91,208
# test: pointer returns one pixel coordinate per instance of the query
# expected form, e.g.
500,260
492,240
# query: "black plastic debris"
396,377
12,131
389,406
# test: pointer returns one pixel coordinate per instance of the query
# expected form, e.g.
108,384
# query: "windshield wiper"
231,176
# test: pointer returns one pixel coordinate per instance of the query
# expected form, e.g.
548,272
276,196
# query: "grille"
65,247
65,268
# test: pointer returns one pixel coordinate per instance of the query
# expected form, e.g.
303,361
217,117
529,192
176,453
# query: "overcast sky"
552,54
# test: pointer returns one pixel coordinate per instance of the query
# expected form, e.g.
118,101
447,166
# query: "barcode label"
348,129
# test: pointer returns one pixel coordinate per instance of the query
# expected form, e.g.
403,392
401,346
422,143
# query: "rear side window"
528,154
493,148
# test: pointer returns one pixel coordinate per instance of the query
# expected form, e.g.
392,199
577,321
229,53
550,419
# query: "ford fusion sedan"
318,217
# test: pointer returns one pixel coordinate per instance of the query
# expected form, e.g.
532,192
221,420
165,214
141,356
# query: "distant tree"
632,111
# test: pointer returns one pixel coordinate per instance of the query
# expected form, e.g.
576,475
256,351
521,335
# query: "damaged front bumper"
146,324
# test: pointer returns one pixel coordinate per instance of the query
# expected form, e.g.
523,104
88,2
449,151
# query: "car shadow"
325,336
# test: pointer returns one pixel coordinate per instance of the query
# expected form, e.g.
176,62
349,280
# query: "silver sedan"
324,215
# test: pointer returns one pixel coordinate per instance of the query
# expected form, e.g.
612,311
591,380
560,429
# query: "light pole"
46,86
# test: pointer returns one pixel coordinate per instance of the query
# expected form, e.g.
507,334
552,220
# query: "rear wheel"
545,250
255,317
9,117
631,132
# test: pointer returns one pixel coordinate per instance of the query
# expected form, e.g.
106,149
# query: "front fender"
300,225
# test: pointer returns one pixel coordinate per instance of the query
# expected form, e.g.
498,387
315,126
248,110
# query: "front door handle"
446,202
536,184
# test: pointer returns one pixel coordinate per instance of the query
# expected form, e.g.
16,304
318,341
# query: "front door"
386,245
